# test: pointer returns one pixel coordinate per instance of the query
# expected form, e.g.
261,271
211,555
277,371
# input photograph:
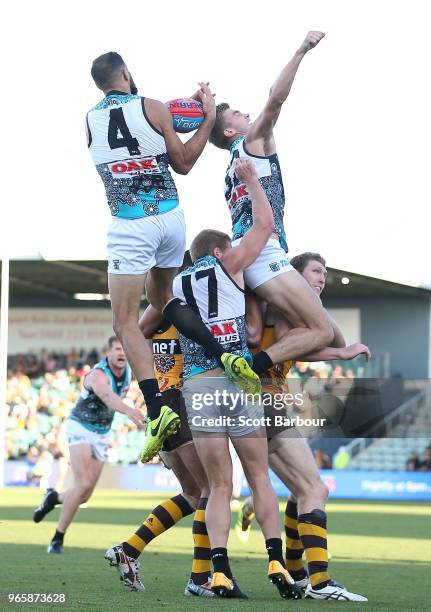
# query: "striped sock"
312,529
201,567
163,517
294,548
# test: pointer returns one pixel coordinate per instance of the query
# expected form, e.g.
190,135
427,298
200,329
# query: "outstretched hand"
311,40
353,350
137,417
206,97
197,93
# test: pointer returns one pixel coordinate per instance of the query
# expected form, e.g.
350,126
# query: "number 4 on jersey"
117,124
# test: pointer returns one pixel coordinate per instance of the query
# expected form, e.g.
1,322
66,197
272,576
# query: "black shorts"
175,401
276,419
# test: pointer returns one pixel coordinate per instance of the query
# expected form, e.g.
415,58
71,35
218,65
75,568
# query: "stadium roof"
41,283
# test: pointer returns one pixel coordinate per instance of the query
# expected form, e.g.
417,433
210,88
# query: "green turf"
381,550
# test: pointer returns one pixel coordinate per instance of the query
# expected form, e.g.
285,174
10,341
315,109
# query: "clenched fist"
311,40
245,170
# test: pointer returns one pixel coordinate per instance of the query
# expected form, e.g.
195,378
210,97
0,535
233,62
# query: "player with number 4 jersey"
132,142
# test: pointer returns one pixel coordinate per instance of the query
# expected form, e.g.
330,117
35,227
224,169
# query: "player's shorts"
174,399
137,245
215,405
271,262
76,433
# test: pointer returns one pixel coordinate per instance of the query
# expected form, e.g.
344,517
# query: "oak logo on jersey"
225,331
239,196
132,167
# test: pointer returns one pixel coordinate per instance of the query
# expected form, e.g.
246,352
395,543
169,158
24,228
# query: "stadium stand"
409,430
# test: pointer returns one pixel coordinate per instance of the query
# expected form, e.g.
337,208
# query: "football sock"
294,548
53,498
248,509
274,547
221,562
153,397
312,529
261,362
163,517
188,322
58,537
201,567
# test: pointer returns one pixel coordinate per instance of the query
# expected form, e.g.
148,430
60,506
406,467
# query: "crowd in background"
415,463
42,389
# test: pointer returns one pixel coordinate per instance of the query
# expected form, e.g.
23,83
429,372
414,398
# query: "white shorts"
78,434
215,405
137,245
271,262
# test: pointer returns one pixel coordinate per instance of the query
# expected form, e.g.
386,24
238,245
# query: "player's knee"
85,489
254,336
116,326
222,485
191,491
257,480
125,326
193,500
308,488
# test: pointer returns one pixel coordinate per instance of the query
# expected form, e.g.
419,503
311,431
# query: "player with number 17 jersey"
208,289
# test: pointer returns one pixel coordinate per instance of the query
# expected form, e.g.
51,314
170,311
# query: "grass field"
381,550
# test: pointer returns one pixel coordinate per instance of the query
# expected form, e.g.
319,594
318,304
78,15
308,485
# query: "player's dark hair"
206,241
217,136
112,340
300,262
105,68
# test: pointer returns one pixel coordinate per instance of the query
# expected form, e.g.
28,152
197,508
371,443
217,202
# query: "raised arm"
262,127
183,156
98,381
241,256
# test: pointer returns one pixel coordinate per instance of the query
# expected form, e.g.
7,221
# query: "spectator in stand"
426,464
413,463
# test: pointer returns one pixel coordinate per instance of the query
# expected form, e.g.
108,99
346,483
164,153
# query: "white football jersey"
237,197
130,157
213,294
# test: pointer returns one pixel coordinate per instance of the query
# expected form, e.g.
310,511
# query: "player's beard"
133,88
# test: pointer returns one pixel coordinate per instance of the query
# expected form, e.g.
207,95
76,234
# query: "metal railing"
390,421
